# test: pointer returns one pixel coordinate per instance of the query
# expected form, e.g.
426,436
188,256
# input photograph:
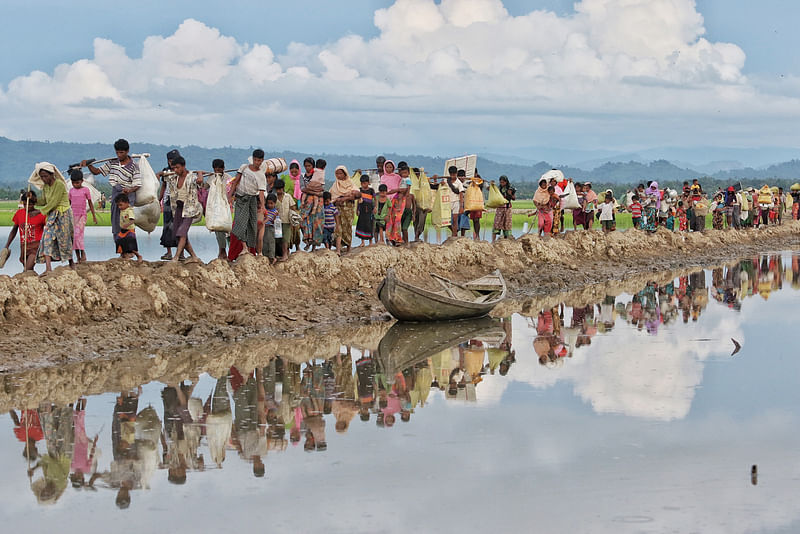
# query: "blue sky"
596,74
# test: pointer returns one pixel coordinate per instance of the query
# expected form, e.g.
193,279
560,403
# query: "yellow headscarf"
343,186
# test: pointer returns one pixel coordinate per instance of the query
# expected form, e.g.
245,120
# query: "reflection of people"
28,430
58,435
83,455
248,432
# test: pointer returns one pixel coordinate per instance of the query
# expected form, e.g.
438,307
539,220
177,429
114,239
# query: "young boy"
607,213
268,239
126,238
30,232
381,211
283,203
78,197
636,211
463,216
330,224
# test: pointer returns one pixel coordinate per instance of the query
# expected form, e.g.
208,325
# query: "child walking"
607,213
331,221
30,223
126,238
78,197
636,212
268,240
366,212
381,212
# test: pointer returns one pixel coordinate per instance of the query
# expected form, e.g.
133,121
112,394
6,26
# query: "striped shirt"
636,210
269,216
127,175
330,216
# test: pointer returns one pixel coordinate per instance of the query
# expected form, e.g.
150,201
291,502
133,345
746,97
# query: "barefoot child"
30,223
126,238
78,197
607,213
331,221
381,212
268,230
366,212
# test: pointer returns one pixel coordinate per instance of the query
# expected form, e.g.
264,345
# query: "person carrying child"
312,219
126,238
30,223
78,197
397,210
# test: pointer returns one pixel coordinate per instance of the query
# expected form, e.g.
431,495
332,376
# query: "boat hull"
410,303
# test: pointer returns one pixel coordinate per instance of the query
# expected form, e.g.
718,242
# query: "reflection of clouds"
630,372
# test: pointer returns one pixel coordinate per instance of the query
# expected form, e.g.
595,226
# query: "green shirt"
54,198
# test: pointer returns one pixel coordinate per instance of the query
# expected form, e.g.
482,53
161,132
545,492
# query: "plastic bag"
571,200
356,180
278,228
473,198
441,212
148,191
218,211
425,193
496,198
146,217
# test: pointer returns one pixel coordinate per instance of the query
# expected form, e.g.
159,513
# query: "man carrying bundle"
123,177
248,190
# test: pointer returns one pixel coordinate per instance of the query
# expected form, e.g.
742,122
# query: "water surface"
625,415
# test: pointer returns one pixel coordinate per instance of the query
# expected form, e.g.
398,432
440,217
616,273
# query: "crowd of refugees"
271,216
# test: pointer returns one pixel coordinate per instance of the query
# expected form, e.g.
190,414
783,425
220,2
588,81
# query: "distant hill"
18,157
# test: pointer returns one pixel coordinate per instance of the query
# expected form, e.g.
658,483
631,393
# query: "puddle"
632,413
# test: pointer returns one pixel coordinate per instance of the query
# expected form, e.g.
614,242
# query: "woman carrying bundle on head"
56,243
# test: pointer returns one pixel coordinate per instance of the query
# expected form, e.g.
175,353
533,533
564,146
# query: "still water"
626,415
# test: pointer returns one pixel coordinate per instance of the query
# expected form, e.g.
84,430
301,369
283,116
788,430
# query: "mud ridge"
102,310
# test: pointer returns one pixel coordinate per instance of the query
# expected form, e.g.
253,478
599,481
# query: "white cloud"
621,58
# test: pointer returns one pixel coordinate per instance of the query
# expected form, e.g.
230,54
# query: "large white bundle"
463,163
148,191
571,200
218,211
555,173
146,217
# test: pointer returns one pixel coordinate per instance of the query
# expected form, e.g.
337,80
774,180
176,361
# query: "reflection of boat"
454,301
408,343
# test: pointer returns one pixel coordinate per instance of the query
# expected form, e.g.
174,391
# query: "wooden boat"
454,301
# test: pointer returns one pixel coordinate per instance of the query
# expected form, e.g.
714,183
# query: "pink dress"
77,200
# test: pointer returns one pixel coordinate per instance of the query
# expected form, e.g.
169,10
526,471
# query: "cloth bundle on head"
342,186
36,180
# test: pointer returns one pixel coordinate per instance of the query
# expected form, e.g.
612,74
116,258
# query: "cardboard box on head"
465,163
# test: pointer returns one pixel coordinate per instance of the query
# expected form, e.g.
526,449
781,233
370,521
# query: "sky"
422,76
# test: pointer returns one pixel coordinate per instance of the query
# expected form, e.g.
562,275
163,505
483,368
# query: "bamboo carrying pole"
93,161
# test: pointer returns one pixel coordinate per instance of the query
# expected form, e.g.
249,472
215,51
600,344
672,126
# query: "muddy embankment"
104,310
128,369
122,370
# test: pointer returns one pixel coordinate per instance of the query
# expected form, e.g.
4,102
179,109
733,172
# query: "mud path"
115,310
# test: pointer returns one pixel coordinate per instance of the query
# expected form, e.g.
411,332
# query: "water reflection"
631,354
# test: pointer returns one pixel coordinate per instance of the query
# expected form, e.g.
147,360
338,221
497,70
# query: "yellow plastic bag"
473,198
441,212
423,195
356,179
496,199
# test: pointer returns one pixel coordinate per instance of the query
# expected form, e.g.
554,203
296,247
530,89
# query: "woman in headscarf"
541,199
651,206
294,174
344,195
313,219
390,178
56,243
502,215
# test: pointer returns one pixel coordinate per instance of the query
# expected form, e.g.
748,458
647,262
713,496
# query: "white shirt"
606,211
252,181
455,203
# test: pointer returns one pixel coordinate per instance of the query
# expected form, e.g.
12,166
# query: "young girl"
381,212
683,220
78,197
294,174
366,211
30,223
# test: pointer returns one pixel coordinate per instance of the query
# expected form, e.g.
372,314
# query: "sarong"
78,224
394,219
245,218
57,238
344,230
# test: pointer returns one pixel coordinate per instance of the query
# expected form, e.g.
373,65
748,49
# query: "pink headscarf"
652,191
392,180
298,188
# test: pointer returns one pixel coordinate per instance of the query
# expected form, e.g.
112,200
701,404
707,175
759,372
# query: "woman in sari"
313,220
541,199
56,242
651,206
344,195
